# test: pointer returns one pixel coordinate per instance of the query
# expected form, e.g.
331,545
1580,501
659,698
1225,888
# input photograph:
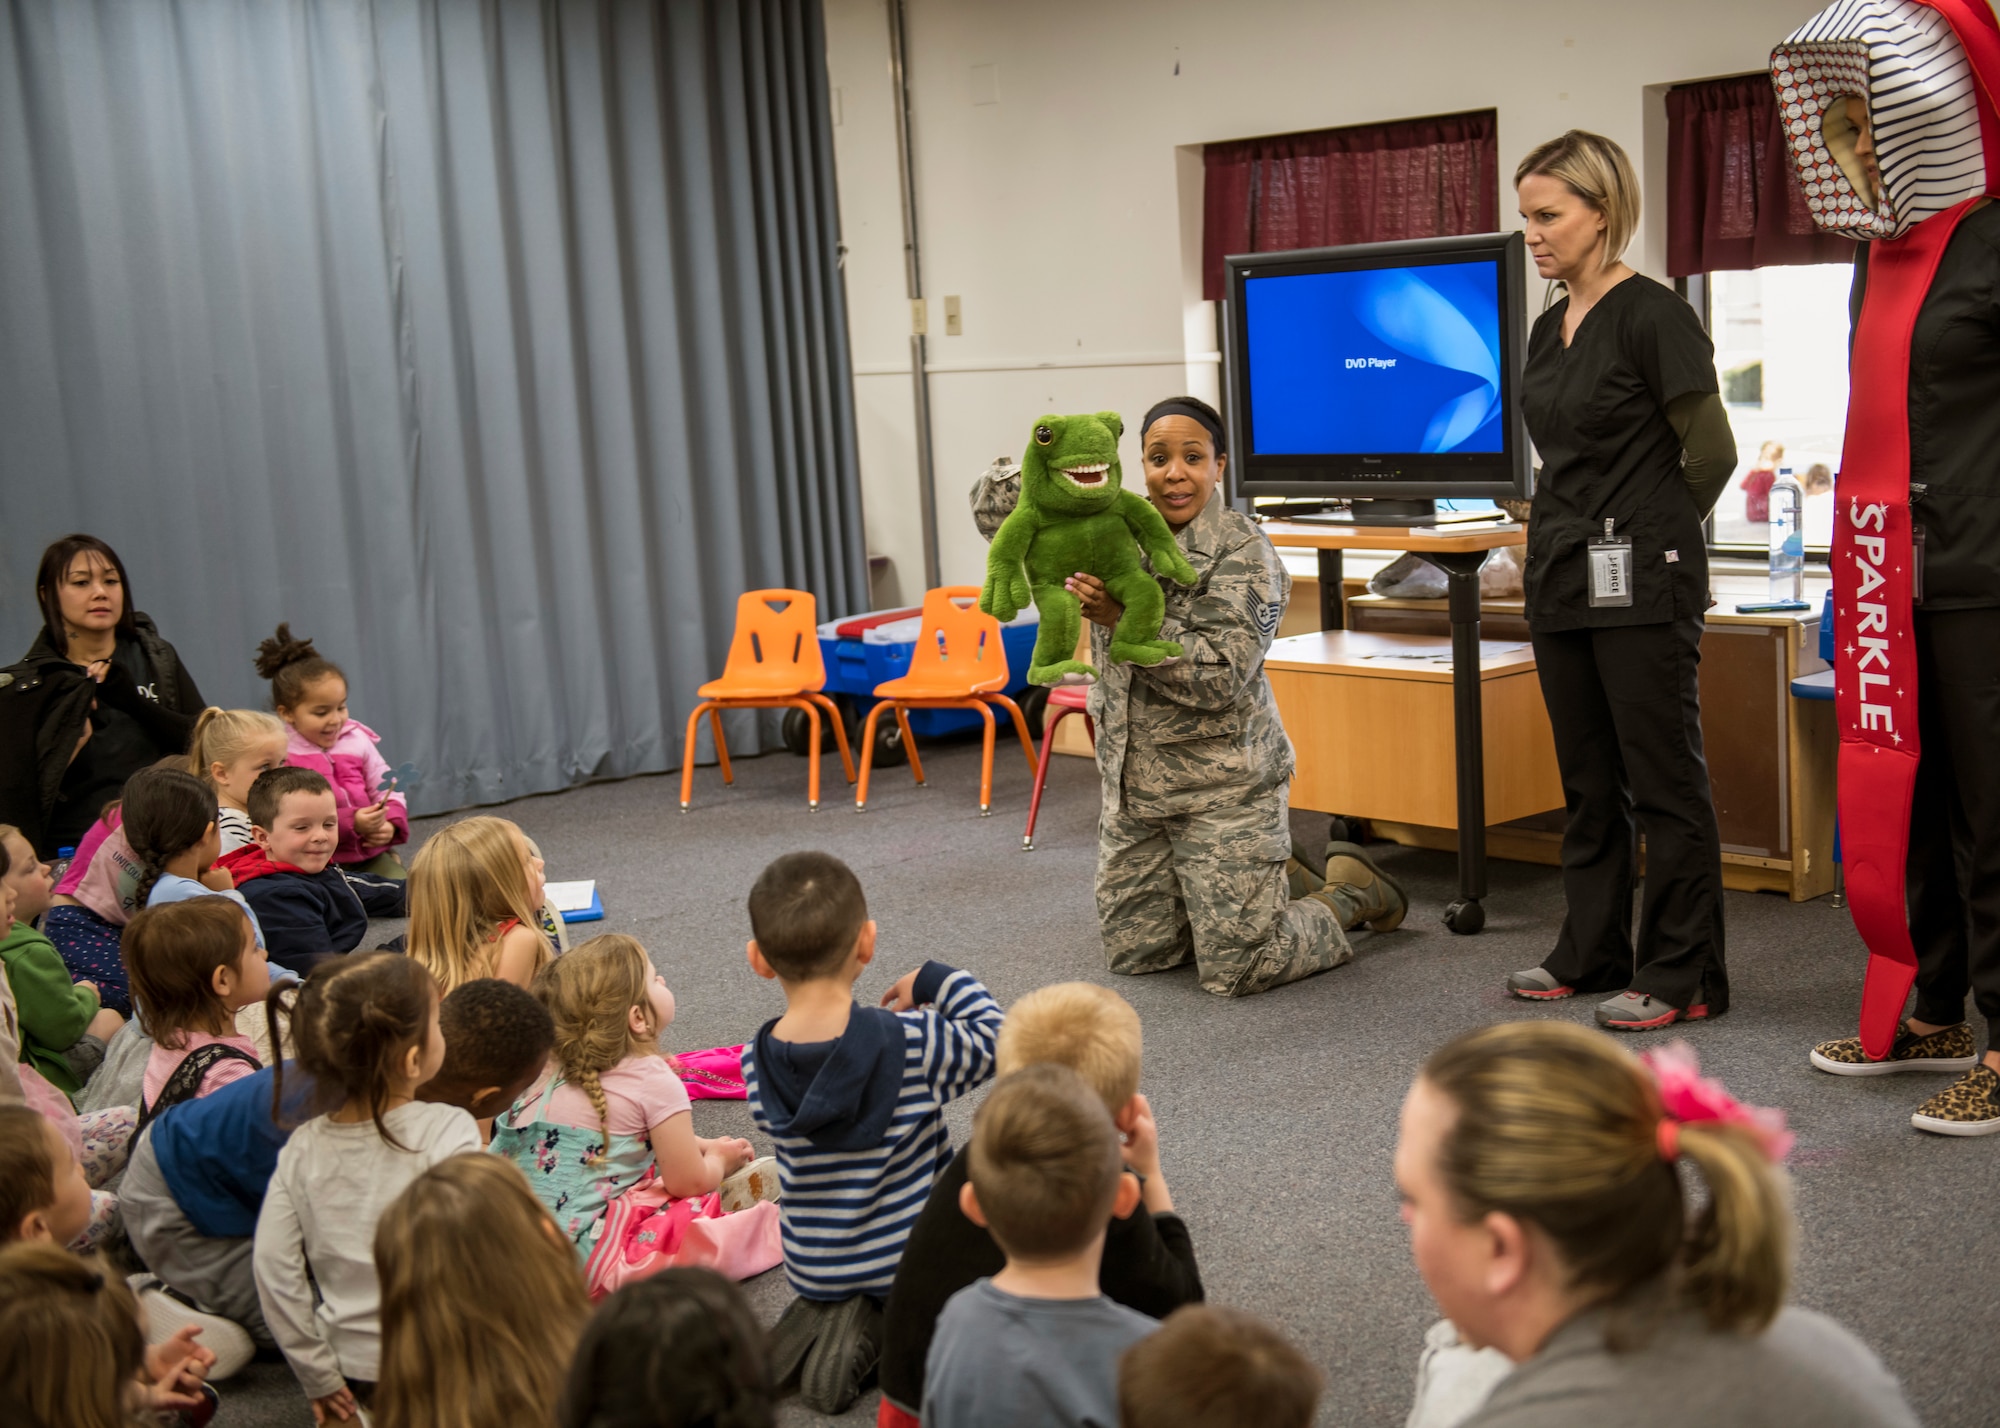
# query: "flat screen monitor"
1379,370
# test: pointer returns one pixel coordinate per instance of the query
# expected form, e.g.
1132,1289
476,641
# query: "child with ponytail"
1540,1168
607,1139
228,749
170,826
310,695
365,1029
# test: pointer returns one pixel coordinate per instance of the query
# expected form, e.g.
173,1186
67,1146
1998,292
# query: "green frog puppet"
1074,517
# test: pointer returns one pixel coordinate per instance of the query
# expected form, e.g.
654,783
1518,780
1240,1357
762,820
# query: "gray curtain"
496,346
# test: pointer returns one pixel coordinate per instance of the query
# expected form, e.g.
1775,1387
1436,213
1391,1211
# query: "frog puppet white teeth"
1087,475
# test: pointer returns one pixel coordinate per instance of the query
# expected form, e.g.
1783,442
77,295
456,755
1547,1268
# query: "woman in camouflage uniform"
1194,838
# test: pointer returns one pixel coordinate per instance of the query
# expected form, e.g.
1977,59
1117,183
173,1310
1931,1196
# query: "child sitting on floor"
169,821
197,1176
63,1028
43,1193
611,1122
366,1030
228,749
310,694
306,905
194,965
96,897
1038,1343
475,894
679,1350
854,1097
481,1301
1210,1367
76,1350
1148,1262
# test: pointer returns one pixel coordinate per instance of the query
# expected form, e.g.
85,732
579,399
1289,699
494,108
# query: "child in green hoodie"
63,1029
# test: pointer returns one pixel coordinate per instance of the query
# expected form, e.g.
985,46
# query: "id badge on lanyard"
1610,569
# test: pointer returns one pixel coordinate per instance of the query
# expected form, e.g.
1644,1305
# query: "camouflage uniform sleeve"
994,496
1225,626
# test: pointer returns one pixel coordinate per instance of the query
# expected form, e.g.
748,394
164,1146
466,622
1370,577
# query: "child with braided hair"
170,825
607,1137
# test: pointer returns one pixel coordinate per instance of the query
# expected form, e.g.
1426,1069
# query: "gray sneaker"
1641,1011
1538,984
1383,902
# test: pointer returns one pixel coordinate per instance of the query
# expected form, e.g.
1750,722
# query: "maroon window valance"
1732,201
1416,178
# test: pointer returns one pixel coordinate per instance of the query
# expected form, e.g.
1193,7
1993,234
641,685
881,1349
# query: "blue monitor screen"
1375,361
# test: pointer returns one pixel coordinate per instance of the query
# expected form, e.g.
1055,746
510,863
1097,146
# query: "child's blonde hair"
1088,1028
466,1255
590,993
466,881
222,736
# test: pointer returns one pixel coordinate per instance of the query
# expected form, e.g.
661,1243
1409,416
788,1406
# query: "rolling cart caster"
1465,916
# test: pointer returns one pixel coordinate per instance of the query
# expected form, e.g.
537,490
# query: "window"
1774,291
1781,357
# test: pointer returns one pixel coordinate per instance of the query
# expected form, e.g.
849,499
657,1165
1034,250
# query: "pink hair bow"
1687,1096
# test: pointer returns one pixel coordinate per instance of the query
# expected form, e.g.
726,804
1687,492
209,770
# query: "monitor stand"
1377,511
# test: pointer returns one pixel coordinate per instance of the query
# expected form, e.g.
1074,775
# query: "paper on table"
571,897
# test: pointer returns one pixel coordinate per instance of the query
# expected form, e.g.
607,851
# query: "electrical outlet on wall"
920,322
953,325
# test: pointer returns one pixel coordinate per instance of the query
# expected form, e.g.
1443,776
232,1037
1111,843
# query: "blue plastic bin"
855,666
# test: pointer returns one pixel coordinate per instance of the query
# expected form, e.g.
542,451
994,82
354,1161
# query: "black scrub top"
1597,411
1955,415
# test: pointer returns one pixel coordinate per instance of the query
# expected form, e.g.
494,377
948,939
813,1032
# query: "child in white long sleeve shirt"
367,1031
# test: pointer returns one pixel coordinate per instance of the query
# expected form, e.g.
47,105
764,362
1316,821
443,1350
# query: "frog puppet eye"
1044,436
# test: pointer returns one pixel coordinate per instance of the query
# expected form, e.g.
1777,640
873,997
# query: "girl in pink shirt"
607,1138
194,965
310,694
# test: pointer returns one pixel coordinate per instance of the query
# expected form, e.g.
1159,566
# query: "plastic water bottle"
60,867
1788,540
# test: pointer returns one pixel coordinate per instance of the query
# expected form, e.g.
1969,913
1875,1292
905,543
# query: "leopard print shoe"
1947,1050
1969,1106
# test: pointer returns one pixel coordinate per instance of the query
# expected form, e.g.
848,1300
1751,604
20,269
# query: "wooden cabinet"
1770,756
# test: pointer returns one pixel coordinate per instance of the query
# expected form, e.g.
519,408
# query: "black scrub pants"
1953,876
1625,707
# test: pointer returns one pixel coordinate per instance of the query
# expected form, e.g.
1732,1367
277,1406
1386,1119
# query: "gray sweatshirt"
1804,1369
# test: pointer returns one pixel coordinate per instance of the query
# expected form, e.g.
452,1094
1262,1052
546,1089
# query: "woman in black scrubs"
1621,400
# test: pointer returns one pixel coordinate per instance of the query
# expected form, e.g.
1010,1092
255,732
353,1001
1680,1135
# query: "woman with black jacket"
98,697
1619,390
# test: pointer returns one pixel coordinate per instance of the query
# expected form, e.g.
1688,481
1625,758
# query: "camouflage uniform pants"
1210,886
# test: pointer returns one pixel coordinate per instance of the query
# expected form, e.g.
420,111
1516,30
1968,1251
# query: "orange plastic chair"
1064,700
774,663
959,663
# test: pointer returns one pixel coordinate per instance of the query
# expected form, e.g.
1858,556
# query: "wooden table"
1399,688
1459,551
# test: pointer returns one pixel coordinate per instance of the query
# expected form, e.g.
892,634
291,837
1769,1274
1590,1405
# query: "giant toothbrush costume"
1929,71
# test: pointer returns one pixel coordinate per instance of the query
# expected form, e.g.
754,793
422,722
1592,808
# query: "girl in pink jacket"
310,695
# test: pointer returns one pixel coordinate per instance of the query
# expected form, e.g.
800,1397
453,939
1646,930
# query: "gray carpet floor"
1277,1114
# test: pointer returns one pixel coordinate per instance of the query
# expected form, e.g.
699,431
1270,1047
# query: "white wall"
1066,214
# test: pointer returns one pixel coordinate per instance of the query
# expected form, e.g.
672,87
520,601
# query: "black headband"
1173,406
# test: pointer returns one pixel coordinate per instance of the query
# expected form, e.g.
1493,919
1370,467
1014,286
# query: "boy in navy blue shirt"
853,1098
197,1175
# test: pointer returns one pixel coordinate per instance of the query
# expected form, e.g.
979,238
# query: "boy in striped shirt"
854,1099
